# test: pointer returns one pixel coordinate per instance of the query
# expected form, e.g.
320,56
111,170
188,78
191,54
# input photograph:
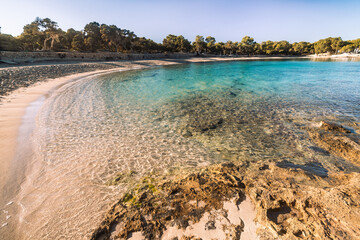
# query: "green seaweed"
122,177
128,198
152,188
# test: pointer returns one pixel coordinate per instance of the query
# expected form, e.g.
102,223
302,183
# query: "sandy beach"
17,118
336,56
13,106
18,104
18,108
174,121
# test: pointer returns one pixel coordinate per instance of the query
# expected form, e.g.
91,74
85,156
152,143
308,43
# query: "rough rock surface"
298,205
300,191
334,127
156,202
290,203
337,140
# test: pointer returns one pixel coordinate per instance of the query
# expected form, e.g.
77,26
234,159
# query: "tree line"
45,34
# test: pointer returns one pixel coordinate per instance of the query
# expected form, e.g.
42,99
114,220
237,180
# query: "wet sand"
17,116
17,112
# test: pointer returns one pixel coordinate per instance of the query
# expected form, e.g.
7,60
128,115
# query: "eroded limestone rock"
300,191
290,203
151,206
337,140
297,205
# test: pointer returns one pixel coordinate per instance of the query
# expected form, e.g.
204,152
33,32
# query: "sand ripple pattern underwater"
164,119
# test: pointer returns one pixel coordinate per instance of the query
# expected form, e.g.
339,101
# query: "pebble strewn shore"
14,77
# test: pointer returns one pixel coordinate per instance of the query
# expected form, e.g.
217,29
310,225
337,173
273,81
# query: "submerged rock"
312,168
235,127
122,177
329,126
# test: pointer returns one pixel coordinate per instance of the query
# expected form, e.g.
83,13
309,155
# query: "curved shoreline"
13,111
24,75
17,117
18,104
13,106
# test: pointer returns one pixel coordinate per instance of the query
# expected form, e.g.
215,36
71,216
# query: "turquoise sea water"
332,85
174,117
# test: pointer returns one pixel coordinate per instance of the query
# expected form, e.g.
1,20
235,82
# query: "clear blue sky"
292,20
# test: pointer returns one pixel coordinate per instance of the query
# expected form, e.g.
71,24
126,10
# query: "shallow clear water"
334,85
183,116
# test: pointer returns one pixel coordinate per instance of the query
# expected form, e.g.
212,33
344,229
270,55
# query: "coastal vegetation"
45,35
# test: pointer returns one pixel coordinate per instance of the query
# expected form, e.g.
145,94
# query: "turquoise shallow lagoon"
180,117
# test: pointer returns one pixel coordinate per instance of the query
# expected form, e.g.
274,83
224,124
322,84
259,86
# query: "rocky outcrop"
301,191
334,127
155,203
337,140
297,205
291,203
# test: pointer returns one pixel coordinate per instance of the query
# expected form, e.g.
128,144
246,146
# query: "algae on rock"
149,211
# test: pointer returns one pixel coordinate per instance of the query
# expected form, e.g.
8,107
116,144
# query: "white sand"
336,56
221,224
